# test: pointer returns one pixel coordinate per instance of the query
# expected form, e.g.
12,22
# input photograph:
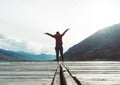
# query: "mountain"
102,45
6,55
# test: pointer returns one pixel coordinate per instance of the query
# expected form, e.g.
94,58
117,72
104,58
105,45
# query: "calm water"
41,73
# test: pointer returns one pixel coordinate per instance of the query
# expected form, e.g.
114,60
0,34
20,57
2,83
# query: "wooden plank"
69,80
56,79
64,77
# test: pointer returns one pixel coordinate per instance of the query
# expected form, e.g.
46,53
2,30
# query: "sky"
24,22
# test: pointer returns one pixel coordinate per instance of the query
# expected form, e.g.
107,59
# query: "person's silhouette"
58,47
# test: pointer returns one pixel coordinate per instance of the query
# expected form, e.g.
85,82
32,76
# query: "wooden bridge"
63,76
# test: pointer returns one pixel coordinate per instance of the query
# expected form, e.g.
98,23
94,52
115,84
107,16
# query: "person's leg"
61,53
57,54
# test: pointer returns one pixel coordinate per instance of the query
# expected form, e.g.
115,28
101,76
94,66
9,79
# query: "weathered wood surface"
27,73
42,73
56,79
64,77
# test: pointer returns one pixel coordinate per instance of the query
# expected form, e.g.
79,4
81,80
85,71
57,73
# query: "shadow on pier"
63,76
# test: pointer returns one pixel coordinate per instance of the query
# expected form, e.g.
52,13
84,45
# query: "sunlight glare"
100,14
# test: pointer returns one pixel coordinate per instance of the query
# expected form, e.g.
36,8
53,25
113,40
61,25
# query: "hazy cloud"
11,44
2,37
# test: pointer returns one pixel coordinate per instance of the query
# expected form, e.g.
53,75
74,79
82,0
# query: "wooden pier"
69,73
64,77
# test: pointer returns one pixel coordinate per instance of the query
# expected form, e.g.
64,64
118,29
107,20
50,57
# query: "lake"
41,73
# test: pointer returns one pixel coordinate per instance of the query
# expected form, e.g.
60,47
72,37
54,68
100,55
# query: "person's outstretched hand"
46,33
67,29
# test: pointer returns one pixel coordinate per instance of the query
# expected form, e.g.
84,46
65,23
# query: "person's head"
57,33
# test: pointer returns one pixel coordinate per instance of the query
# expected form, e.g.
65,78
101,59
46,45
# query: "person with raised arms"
59,43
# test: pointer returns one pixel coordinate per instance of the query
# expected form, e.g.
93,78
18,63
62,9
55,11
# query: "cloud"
11,44
2,36
25,46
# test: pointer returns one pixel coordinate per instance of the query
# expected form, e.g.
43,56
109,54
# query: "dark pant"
59,49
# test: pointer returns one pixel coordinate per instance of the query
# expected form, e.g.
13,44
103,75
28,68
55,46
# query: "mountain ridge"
7,55
102,45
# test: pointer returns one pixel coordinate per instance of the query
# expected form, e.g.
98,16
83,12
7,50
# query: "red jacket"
58,38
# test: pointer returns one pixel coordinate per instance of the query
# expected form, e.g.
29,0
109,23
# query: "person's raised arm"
49,34
65,31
